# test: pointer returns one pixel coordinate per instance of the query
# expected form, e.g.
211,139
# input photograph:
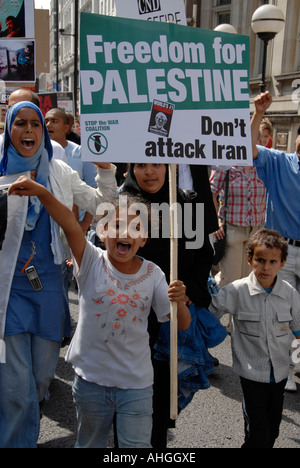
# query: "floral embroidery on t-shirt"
121,309
123,299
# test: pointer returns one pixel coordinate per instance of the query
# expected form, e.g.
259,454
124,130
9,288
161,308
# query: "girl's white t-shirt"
110,346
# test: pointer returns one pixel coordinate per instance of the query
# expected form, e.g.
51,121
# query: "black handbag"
3,215
220,244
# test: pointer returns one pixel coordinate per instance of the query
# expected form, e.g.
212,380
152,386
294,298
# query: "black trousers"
262,407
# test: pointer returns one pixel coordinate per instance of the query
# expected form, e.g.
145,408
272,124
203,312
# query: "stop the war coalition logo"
97,141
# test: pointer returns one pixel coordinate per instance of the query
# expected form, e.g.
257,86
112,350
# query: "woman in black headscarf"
152,182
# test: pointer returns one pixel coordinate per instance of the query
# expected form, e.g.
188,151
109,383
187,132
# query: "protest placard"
159,92
153,10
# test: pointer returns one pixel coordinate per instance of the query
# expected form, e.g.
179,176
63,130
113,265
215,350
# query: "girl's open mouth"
123,248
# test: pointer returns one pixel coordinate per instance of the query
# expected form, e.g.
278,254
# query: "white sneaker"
291,385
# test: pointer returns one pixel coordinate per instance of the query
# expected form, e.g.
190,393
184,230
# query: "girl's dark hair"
269,238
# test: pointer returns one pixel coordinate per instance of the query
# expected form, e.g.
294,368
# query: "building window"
222,12
66,83
223,18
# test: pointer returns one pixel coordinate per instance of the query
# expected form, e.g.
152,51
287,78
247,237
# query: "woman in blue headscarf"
35,320
35,317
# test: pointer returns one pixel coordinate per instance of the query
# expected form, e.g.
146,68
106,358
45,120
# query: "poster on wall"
163,93
152,10
16,19
17,44
17,60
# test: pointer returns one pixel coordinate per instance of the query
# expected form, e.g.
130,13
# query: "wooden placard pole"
173,307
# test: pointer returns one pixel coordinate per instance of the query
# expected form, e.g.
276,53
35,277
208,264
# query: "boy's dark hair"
269,238
61,114
35,99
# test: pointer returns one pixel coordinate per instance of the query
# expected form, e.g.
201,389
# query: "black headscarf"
157,250
193,265
130,185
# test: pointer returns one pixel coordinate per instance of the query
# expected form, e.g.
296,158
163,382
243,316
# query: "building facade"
283,63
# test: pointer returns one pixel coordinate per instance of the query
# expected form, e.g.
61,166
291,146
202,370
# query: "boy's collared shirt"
261,326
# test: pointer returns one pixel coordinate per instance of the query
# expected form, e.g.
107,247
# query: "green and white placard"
163,93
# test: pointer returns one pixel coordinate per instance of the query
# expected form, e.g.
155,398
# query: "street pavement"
213,419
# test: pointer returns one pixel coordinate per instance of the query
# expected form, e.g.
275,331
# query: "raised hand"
262,102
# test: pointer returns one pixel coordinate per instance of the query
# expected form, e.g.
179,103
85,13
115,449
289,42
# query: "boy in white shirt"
264,309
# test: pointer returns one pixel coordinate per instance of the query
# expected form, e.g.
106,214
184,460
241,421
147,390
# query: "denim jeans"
24,382
96,406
